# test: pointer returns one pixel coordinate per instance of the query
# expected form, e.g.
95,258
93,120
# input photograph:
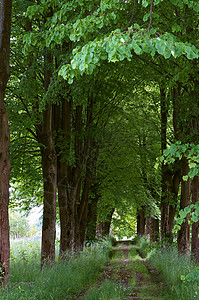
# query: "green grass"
108,290
24,260
127,277
64,280
172,267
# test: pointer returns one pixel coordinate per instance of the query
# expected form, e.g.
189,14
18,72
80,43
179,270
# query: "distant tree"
19,226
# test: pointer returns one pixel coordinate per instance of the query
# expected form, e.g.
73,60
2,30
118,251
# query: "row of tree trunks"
5,28
169,198
147,225
170,178
74,180
62,116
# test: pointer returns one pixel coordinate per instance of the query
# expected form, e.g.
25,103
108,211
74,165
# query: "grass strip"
64,280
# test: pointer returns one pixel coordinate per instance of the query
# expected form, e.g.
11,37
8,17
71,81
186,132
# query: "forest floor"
130,272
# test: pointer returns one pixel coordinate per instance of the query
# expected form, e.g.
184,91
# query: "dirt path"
128,271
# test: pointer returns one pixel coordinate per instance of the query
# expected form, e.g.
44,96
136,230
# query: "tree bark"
165,172
49,169
141,220
183,239
62,127
148,225
92,219
154,229
170,188
195,226
83,207
5,29
170,174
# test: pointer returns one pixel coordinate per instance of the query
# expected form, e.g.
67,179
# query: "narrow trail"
128,270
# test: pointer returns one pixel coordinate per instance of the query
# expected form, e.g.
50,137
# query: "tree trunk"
195,226
76,244
4,195
154,229
166,175
165,196
65,211
148,225
92,219
5,28
49,169
103,228
184,233
62,127
141,220
83,207
170,174
170,190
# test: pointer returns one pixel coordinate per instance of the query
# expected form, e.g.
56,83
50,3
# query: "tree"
73,41
5,29
19,226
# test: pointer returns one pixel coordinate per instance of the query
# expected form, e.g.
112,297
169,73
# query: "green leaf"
176,228
145,3
197,212
146,16
173,149
91,67
167,54
192,165
182,214
176,28
195,218
193,172
187,209
166,152
185,178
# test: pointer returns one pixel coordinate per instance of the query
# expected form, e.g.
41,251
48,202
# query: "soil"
128,269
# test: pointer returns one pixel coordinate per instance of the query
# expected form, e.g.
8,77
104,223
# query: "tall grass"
25,260
108,290
173,267
64,280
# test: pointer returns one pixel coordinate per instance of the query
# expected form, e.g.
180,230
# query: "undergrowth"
108,290
173,268
179,274
64,280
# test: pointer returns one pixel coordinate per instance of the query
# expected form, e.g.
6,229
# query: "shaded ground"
129,271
